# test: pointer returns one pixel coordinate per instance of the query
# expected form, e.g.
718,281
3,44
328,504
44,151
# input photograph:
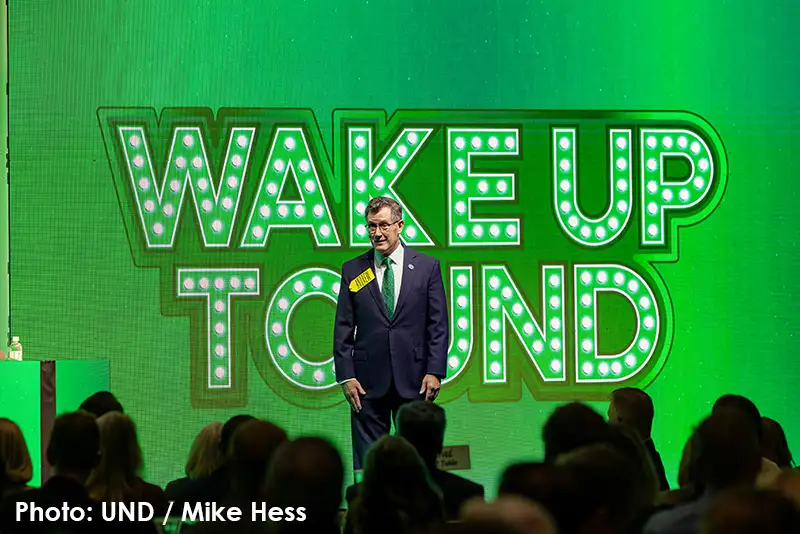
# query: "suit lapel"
409,276
372,287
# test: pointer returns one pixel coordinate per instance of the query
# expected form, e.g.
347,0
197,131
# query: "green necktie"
388,286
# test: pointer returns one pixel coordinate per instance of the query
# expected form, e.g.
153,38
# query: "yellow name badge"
358,283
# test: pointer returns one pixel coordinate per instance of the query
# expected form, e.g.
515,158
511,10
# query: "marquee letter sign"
549,226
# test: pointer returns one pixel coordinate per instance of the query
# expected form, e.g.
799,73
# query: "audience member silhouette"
306,473
552,486
117,476
751,511
769,469
205,457
510,513
689,485
254,445
633,407
16,469
629,442
728,457
101,403
571,427
423,424
687,470
774,446
252,449
216,486
397,496
608,483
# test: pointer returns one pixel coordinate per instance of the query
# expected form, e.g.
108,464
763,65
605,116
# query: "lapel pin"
411,266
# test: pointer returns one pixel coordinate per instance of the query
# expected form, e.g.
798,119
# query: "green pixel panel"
609,187
20,401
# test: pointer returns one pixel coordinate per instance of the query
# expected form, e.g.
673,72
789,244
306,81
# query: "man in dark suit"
391,333
634,407
423,425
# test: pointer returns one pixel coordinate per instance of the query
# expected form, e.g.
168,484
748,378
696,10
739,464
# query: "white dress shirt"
396,258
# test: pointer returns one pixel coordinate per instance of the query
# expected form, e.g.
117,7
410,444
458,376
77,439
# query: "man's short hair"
570,427
101,403
635,408
744,406
376,204
74,442
423,425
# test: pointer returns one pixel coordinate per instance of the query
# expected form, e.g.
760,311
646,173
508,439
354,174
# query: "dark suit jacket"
657,463
375,350
456,491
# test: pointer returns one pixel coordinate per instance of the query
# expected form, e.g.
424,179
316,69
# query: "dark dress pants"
373,421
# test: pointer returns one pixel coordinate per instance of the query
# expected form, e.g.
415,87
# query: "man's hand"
351,389
430,387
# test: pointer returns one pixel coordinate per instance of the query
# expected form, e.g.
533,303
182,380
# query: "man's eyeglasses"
372,227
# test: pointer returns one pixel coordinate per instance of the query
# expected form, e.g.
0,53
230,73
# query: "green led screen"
609,189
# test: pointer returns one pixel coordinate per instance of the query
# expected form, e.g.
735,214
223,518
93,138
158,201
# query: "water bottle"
16,349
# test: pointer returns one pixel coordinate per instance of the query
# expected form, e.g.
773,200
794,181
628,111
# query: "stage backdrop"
609,187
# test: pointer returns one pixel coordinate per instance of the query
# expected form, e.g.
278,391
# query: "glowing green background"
20,397
76,293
